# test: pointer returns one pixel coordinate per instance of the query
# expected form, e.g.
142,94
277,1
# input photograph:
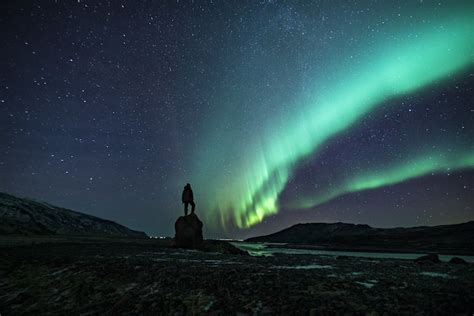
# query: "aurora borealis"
392,175
275,112
404,66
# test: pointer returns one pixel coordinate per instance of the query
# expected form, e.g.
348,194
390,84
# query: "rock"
428,259
188,232
457,260
266,311
222,247
313,312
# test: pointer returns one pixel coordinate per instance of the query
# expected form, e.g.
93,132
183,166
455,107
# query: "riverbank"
148,277
266,249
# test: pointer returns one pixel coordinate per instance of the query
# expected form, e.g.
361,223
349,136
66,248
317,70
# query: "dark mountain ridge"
457,238
30,217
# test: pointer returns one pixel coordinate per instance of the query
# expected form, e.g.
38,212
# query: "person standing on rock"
187,198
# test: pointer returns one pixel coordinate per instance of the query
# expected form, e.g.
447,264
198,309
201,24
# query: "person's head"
188,186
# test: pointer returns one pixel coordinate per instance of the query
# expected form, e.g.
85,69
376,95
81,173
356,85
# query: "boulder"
223,247
188,232
428,259
457,260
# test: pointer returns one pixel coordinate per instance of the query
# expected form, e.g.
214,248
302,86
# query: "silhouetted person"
188,198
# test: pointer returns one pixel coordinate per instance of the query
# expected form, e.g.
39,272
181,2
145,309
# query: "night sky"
276,112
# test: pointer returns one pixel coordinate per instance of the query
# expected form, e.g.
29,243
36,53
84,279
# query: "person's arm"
192,197
182,196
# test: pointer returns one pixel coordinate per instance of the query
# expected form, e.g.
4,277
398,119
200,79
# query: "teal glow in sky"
277,112
253,171
370,179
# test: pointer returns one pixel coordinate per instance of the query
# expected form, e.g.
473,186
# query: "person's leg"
185,208
193,206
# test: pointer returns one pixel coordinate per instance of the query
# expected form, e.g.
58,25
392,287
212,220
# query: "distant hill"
458,238
30,217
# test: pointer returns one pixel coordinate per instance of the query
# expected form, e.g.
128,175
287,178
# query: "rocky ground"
91,277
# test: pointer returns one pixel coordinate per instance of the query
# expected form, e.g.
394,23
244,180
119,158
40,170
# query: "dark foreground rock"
188,232
428,259
457,260
151,278
189,235
222,247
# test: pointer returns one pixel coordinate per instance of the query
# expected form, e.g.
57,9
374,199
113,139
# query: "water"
262,249
305,267
437,275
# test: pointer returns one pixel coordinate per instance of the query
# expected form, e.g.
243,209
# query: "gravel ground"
148,278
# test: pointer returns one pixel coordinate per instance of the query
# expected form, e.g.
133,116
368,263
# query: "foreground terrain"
122,276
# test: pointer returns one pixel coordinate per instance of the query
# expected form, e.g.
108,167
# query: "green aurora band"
400,66
423,165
